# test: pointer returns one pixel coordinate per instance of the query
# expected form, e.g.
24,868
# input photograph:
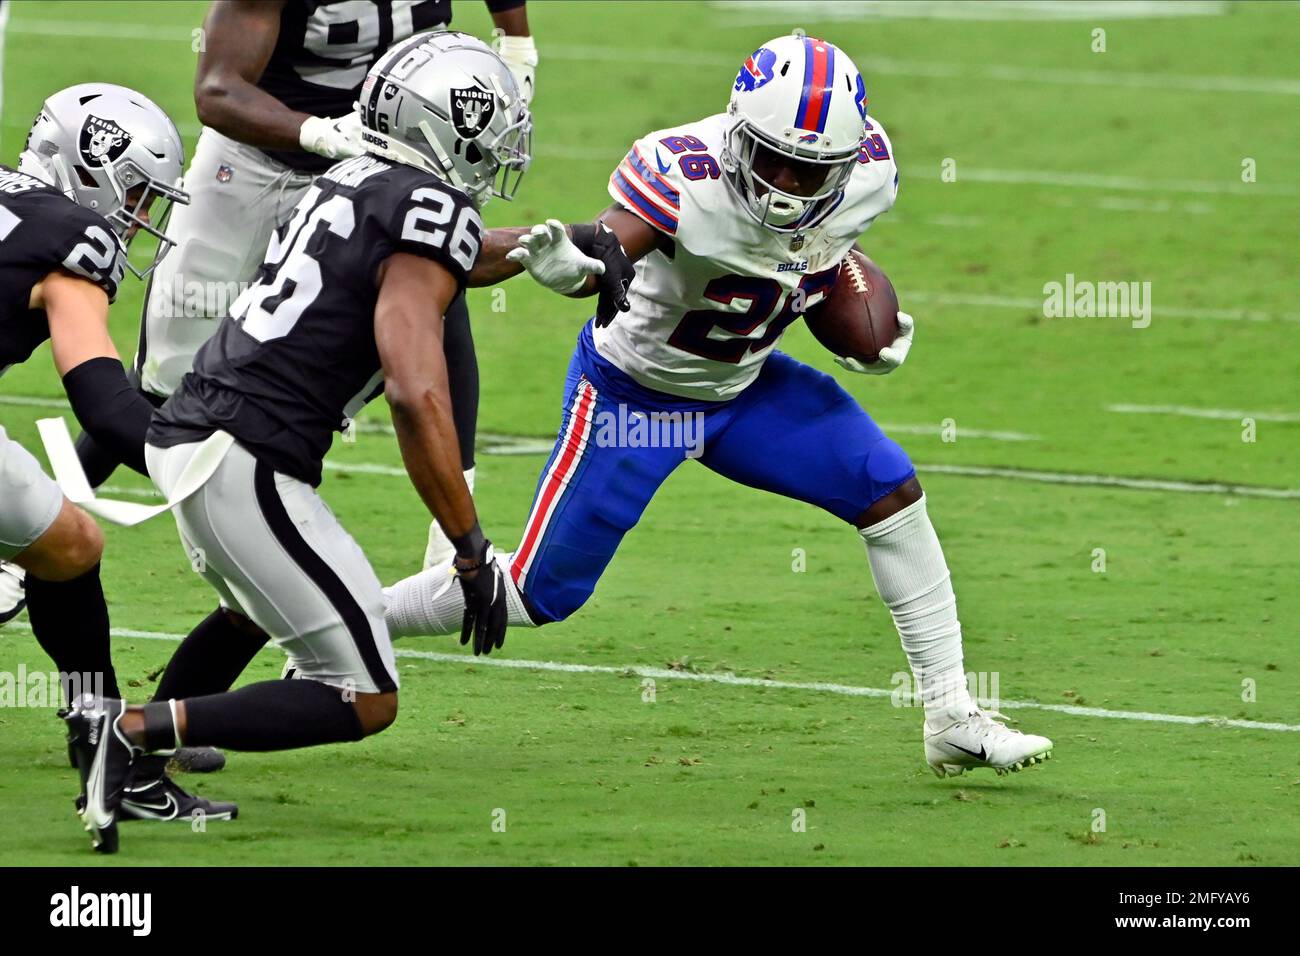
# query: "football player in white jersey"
738,223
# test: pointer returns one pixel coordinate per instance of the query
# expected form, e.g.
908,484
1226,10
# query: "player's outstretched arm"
414,293
103,399
576,261
238,39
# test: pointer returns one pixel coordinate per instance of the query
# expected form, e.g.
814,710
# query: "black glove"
484,585
598,241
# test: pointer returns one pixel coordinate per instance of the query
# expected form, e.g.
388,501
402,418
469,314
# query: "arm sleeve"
110,409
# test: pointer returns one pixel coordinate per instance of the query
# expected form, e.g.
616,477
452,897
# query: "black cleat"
104,760
163,799
197,760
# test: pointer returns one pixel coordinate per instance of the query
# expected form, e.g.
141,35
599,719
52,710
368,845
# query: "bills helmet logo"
860,97
102,141
809,138
757,70
471,111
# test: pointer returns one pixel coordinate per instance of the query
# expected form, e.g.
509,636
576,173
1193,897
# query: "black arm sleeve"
110,409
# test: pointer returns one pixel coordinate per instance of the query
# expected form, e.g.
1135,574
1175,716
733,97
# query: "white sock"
912,578
431,602
440,549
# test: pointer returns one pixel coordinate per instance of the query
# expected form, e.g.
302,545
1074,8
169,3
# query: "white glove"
553,260
891,356
337,138
520,54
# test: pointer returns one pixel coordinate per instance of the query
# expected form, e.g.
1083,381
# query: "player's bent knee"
88,545
70,547
891,483
887,467
376,711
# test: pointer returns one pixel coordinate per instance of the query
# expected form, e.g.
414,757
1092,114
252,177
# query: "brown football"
859,316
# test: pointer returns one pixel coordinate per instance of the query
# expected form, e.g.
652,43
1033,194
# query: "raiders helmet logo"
102,141
471,111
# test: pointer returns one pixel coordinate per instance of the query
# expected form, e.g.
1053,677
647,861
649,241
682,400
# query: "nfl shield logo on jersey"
224,172
471,111
102,141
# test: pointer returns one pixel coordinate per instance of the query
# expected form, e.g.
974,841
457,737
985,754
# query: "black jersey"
42,230
296,358
326,47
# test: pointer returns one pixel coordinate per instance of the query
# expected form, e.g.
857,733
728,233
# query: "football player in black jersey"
100,164
274,89
349,303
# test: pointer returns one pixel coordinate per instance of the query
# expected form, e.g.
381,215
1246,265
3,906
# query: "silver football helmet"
445,103
96,142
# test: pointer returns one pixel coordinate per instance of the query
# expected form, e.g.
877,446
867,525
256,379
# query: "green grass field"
1117,166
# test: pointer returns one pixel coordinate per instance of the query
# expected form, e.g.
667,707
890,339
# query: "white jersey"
707,313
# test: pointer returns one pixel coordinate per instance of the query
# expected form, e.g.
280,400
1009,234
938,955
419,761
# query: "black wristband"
471,544
584,237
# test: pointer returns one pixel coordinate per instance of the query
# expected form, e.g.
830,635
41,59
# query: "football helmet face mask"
445,103
113,150
804,100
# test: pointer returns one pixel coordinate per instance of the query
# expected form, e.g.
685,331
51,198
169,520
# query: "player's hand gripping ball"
860,322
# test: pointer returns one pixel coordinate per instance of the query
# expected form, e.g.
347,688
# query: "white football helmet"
445,103
804,98
95,142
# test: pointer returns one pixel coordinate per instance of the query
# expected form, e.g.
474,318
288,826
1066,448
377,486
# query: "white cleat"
980,740
13,596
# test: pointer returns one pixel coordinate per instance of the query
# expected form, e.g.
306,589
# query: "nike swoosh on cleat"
982,755
164,811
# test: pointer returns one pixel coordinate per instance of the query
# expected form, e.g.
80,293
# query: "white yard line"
1157,311
1188,411
758,12
1114,481
1048,177
1015,73
734,680
495,444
